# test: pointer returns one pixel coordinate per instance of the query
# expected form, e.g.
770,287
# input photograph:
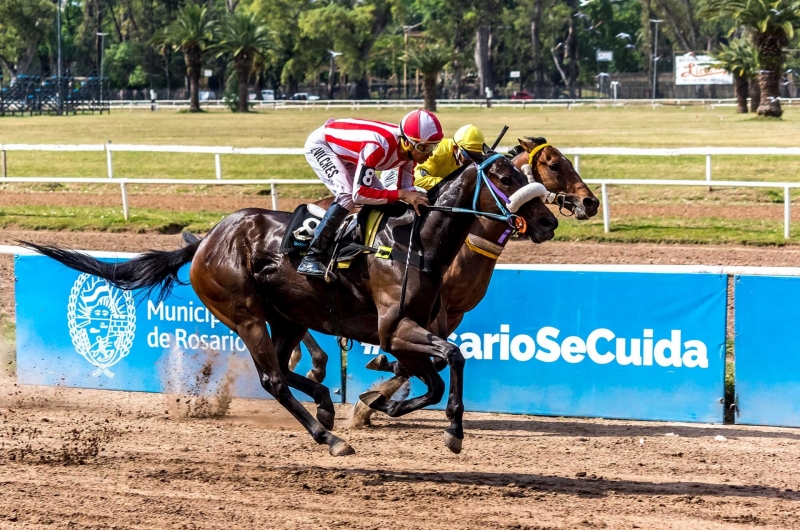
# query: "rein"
506,205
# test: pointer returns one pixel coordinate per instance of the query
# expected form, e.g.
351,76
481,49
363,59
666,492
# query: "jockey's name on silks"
325,162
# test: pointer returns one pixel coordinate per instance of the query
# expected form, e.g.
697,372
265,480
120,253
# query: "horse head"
558,175
502,192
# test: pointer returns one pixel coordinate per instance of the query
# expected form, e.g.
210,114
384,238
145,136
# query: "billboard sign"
84,332
615,345
767,350
693,69
604,56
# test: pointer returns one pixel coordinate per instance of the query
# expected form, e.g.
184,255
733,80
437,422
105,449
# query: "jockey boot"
312,264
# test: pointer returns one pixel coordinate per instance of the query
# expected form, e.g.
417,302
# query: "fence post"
218,166
272,191
606,222
124,200
5,164
787,211
577,164
708,171
108,162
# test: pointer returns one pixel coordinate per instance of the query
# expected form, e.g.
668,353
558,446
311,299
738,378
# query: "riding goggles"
422,147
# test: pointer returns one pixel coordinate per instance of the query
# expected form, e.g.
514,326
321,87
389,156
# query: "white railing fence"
356,104
575,152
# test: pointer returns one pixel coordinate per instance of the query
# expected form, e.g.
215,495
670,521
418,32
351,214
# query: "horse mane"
437,190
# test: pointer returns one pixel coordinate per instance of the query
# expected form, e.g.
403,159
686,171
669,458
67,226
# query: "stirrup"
329,275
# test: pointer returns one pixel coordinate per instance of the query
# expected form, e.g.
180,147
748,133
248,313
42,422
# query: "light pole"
102,57
332,72
58,23
655,56
406,30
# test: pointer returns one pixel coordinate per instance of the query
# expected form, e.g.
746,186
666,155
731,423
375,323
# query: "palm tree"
771,24
243,37
429,60
193,32
739,58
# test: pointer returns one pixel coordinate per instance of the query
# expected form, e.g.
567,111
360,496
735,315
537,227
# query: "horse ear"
527,143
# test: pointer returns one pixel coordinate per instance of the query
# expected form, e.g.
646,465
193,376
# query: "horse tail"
189,238
153,270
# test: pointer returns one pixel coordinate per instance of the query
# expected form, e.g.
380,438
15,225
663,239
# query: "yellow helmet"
469,138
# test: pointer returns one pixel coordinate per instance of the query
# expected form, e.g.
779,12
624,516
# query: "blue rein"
499,197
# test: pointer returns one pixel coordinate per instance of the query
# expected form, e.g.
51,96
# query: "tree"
771,25
429,60
242,36
24,25
351,27
193,32
739,58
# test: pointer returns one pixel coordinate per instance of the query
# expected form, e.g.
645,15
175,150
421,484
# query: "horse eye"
506,181
553,167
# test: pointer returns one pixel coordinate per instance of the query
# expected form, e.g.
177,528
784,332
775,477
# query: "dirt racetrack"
74,458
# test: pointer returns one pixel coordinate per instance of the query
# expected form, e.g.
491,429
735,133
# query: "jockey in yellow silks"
451,154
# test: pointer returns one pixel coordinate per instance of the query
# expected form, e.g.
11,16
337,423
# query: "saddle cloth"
358,230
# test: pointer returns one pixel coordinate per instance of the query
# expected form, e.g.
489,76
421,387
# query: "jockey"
466,146
346,154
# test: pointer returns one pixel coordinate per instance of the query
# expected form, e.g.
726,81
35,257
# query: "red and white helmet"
421,126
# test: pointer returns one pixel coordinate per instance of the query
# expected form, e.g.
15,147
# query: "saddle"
355,236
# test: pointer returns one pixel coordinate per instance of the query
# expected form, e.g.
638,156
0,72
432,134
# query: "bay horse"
240,275
467,280
477,259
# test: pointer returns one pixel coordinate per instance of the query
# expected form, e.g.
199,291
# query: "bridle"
559,199
508,206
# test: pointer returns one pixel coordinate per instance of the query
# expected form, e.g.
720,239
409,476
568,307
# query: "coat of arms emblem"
102,322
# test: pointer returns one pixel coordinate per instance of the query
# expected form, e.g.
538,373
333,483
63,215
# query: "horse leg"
294,358
362,413
421,367
244,314
258,342
286,336
319,359
409,340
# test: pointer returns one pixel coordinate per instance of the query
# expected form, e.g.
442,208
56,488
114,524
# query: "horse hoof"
310,375
453,443
341,448
379,363
361,416
373,399
326,418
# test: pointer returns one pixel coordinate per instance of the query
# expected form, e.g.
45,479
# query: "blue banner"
77,330
616,345
767,351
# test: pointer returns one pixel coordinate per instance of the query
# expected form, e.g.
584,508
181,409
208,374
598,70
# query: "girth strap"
484,247
414,260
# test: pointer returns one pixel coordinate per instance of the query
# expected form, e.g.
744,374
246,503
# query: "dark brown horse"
240,275
467,280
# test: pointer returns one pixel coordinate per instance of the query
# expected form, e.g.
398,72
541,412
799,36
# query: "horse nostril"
590,203
547,223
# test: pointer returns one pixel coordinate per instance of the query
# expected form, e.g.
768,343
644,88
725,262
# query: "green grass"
677,230
106,219
628,230
584,127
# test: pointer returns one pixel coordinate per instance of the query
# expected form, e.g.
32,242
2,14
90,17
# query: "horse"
240,275
478,256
